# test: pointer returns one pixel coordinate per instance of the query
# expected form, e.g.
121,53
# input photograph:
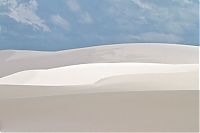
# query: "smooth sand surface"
150,111
13,61
118,88
86,74
123,83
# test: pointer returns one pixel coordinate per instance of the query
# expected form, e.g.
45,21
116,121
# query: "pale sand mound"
155,92
123,83
147,111
15,61
86,74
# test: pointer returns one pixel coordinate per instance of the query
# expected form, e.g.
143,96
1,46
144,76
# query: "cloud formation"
84,16
169,20
155,37
141,4
73,5
80,23
60,21
25,13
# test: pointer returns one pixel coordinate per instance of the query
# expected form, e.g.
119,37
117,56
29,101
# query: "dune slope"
149,111
90,73
118,88
15,61
122,83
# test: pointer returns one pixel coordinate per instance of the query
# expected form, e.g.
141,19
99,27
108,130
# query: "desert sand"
86,74
130,83
117,88
13,61
146,111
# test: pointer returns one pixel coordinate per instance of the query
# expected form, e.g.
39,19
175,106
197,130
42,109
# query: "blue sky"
66,24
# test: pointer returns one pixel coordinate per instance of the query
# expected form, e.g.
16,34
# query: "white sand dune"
86,74
148,111
125,87
13,61
123,83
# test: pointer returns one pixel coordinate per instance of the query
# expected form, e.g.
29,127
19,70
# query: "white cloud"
168,16
183,2
86,18
141,4
73,5
155,37
25,13
58,20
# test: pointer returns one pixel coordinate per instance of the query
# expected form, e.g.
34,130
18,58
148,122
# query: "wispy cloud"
141,4
60,21
155,37
164,21
183,2
73,5
97,22
25,13
84,16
